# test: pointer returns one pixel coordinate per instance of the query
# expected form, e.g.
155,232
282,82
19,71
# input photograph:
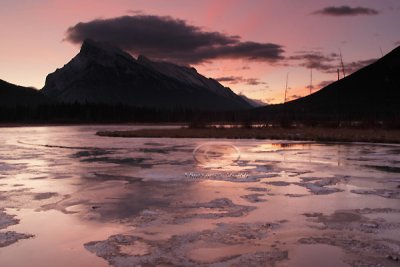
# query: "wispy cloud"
316,60
134,12
346,11
240,79
171,39
327,63
324,84
293,97
356,65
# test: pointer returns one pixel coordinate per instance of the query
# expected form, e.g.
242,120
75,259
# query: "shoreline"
292,134
15,125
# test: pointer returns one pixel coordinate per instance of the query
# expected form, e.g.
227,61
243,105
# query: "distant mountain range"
253,102
373,92
101,73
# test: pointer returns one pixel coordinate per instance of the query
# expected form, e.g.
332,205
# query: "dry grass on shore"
303,134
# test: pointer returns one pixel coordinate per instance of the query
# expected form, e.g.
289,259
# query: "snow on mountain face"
91,52
186,75
103,53
101,73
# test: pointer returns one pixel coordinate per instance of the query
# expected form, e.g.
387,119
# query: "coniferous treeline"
102,113
91,113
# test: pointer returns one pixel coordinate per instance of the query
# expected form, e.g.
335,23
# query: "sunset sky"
248,45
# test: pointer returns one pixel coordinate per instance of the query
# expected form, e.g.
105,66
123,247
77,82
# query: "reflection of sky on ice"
107,185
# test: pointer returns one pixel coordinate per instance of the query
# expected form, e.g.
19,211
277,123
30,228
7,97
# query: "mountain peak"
102,73
101,50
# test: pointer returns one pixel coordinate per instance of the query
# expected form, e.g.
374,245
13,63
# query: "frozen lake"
71,198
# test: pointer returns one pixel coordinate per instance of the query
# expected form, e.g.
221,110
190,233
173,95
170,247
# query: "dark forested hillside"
12,95
373,92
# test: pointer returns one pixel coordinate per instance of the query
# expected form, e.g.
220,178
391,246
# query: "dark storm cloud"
240,79
171,39
346,11
147,32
